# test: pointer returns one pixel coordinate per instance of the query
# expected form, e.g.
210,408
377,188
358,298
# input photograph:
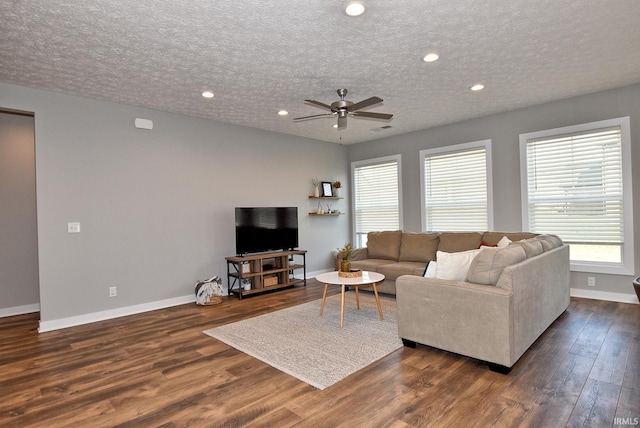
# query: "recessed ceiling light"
335,125
207,94
477,87
430,57
355,8
283,112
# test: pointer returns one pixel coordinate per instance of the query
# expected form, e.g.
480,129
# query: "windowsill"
611,269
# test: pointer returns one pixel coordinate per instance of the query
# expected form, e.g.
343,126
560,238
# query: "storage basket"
270,281
213,300
209,292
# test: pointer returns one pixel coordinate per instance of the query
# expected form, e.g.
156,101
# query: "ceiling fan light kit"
343,108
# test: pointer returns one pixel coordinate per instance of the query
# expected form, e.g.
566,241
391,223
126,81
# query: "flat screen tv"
261,229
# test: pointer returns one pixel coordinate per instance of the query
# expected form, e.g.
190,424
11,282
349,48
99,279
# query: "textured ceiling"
261,56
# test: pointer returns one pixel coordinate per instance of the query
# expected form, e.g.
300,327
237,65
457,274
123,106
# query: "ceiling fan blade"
372,115
313,116
319,104
342,122
365,103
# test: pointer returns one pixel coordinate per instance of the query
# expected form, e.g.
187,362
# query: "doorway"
19,278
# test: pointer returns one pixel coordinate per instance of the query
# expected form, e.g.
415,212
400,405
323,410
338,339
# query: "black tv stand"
249,268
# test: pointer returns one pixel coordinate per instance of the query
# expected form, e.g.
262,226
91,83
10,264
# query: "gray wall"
18,229
504,130
157,207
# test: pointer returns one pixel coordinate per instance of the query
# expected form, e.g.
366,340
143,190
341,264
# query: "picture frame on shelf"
327,189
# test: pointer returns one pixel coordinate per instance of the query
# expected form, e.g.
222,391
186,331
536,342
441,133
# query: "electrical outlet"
73,227
591,281
113,291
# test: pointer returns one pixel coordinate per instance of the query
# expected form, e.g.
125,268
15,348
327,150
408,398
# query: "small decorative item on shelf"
327,190
345,254
316,191
337,185
246,284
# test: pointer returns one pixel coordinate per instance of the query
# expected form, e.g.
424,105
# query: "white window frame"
626,267
372,162
486,144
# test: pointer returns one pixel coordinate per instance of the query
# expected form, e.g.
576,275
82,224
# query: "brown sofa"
396,253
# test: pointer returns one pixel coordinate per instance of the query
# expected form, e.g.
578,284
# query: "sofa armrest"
541,289
461,317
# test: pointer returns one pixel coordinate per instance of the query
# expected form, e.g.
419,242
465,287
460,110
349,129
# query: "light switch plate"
73,227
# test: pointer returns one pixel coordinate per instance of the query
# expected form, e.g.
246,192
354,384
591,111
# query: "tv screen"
261,229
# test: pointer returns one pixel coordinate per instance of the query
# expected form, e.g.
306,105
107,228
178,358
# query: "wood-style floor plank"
158,369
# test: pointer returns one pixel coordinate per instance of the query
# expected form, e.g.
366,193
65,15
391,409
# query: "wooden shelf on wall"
326,197
327,214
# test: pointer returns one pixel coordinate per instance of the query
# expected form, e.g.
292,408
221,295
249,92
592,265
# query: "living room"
156,206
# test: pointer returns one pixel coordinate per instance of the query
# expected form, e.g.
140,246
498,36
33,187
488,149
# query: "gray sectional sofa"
505,300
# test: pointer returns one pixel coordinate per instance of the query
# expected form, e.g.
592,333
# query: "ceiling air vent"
382,128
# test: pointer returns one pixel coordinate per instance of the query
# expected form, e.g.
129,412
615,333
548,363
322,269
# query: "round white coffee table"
367,278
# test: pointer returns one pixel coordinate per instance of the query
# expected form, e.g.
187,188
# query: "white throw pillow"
454,266
504,242
430,271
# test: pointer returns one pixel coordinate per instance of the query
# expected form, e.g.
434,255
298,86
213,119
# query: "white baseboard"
19,310
113,313
604,295
128,310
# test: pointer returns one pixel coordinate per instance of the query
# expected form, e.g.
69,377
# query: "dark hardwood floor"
159,370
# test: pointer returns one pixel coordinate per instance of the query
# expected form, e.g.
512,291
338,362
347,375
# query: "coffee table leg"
324,296
375,291
357,297
342,308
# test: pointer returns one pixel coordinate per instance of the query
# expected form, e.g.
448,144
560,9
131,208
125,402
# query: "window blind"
575,186
455,185
376,197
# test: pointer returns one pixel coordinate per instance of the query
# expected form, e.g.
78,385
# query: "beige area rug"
314,348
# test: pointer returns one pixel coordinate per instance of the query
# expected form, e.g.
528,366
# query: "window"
576,183
376,184
457,190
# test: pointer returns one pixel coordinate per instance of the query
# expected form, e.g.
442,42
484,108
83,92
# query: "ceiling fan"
344,108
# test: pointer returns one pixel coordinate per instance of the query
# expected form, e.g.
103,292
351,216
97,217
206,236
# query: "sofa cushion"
532,247
418,247
384,245
549,242
372,265
488,265
492,238
454,266
392,271
451,242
